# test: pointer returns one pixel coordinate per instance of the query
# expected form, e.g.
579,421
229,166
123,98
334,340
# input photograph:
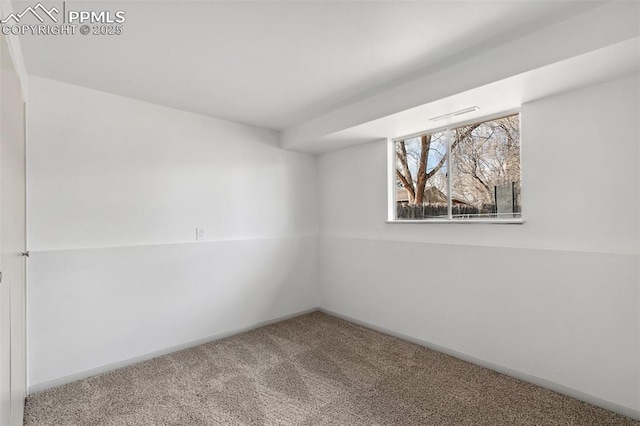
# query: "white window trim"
391,174
466,221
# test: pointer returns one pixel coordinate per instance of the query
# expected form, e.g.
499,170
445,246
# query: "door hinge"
25,253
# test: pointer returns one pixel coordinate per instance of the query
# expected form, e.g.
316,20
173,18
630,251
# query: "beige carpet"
310,370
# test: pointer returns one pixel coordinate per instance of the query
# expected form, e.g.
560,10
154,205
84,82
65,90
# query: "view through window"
461,173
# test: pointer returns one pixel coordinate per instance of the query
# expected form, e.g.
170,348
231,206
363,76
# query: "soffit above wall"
556,59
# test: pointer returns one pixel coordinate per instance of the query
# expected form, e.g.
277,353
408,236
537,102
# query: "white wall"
109,171
116,190
554,300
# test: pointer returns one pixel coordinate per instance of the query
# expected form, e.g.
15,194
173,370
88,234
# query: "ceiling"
494,99
277,64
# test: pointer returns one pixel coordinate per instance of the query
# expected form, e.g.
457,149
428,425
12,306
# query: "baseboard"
556,387
38,387
626,411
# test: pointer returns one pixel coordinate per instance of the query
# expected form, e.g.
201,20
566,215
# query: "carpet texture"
311,370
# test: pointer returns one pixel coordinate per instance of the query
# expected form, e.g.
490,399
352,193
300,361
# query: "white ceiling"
615,61
277,64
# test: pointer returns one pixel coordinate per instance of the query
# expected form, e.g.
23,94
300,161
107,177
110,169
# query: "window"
465,173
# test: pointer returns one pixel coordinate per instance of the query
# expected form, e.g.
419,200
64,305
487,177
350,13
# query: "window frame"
391,172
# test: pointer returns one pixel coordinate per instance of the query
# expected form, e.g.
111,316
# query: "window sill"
477,221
